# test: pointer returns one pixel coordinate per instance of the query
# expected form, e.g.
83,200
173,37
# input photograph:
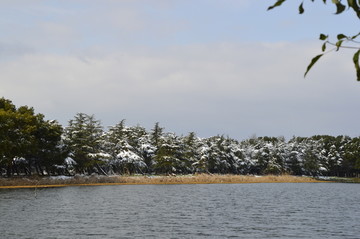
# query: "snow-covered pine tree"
83,137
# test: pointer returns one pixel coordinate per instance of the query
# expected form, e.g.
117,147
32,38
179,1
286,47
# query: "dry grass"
210,179
131,180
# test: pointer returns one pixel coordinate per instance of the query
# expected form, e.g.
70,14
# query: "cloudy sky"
209,66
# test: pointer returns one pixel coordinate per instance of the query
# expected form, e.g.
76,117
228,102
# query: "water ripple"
183,211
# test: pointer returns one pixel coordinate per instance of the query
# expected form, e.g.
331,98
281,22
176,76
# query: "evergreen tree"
169,158
350,166
156,134
294,158
131,154
116,139
311,158
10,135
83,137
29,143
26,140
49,151
190,148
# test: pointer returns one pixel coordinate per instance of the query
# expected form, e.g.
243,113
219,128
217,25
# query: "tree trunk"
101,169
9,170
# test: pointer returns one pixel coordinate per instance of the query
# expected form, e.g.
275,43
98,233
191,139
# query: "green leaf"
354,5
313,61
277,4
351,2
338,44
355,36
323,48
301,8
356,63
341,36
339,7
323,37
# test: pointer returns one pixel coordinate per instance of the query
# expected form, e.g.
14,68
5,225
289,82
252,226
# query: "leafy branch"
343,41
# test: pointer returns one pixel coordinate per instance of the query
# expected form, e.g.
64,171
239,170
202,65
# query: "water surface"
284,210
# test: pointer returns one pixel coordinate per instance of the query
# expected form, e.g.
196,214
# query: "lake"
269,210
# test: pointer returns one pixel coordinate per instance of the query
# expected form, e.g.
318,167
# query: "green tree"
48,148
156,134
294,163
136,136
342,41
26,135
124,144
140,140
220,155
190,147
116,139
169,157
83,138
311,158
351,162
10,135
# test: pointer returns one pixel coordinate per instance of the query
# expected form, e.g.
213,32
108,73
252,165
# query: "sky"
212,67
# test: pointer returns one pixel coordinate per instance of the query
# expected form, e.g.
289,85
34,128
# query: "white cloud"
163,61
220,88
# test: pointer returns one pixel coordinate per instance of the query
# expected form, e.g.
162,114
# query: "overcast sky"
209,66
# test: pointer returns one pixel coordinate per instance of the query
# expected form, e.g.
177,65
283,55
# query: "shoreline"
52,182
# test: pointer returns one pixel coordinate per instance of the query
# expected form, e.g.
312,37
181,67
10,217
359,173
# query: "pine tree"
116,139
83,137
156,134
168,158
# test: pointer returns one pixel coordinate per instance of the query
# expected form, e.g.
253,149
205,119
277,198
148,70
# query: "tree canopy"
26,138
29,144
342,41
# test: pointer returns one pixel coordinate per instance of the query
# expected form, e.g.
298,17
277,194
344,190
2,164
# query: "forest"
31,145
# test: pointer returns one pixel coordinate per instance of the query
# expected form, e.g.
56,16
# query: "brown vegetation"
130,180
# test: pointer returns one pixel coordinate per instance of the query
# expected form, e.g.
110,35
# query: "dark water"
322,210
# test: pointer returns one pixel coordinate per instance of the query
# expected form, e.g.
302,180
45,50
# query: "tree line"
29,145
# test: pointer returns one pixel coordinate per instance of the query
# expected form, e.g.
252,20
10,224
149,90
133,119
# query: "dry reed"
123,180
